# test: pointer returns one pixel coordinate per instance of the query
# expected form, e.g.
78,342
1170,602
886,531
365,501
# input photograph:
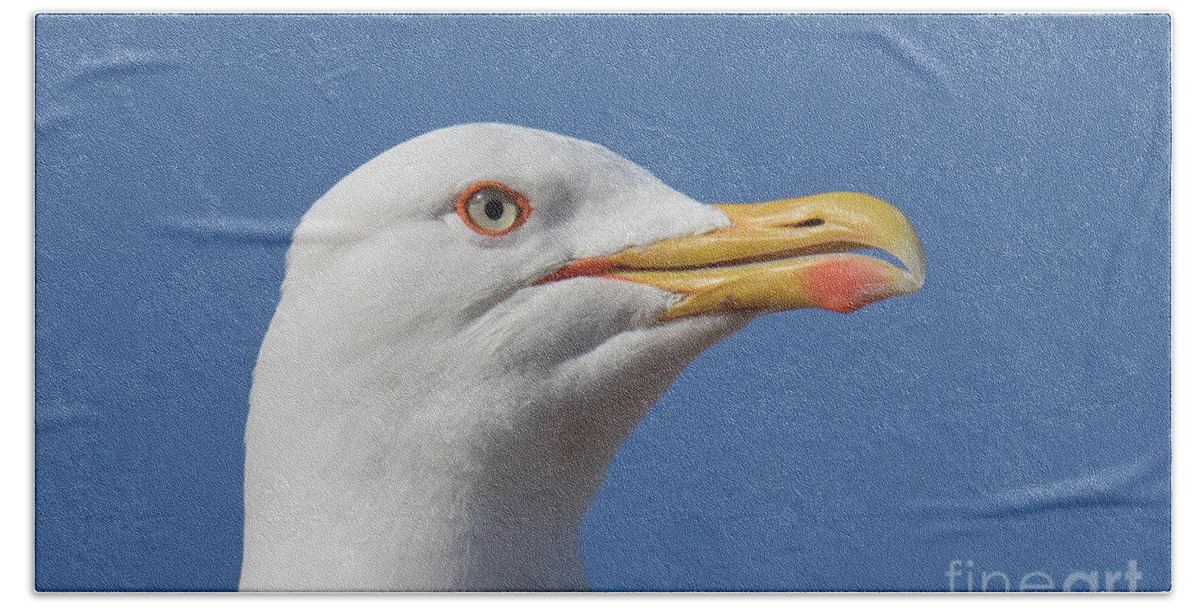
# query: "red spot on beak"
847,284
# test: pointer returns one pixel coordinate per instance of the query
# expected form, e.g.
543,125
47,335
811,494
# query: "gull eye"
492,208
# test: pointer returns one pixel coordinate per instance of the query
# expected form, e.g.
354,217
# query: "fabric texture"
1006,427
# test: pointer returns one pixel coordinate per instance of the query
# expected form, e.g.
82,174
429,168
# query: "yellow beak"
777,256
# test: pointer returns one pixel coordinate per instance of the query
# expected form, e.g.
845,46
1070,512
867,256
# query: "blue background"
1015,412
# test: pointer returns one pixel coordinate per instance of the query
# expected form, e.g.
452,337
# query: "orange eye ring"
492,208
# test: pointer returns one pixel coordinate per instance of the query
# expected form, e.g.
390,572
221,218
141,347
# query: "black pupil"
494,208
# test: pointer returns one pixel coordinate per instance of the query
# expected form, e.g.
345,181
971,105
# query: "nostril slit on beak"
816,221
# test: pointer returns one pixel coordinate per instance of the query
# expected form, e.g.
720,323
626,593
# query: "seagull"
470,325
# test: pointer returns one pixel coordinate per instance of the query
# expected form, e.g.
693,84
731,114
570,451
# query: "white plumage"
424,416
